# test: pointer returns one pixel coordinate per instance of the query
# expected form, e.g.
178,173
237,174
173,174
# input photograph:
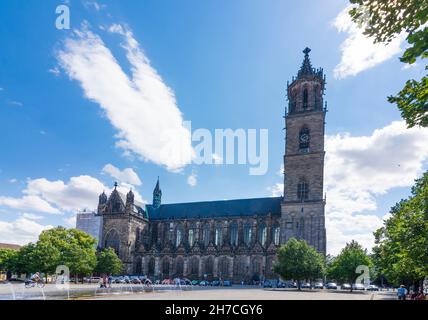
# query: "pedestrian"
420,295
105,280
401,293
110,280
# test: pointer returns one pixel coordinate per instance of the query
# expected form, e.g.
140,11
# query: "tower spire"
157,195
306,69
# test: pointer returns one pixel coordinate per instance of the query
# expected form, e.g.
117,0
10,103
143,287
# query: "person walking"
110,280
401,293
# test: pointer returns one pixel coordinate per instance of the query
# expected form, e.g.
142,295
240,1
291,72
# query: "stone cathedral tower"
302,210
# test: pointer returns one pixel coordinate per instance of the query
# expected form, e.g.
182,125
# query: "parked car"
319,285
142,278
120,280
135,280
215,283
306,285
168,281
346,286
195,282
187,282
331,285
372,287
267,284
281,284
204,283
227,283
358,286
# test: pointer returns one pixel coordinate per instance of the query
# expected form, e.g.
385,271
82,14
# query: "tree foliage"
401,251
343,267
58,246
299,261
108,262
384,20
7,257
70,247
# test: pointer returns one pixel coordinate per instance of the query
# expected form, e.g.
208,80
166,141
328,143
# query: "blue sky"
226,64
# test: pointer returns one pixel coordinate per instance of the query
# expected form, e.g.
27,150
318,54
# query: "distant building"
10,246
90,222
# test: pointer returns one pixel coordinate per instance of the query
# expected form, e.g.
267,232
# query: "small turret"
129,201
130,197
102,199
157,195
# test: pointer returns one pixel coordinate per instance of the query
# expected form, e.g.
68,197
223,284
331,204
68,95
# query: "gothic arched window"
305,98
179,235
262,234
304,139
179,267
302,190
151,266
112,240
191,237
165,267
138,235
276,234
206,235
223,267
194,266
218,236
247,234
234,234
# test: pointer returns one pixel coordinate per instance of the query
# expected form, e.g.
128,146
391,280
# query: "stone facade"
235,239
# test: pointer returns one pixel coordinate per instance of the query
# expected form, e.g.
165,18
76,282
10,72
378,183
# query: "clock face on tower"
304,138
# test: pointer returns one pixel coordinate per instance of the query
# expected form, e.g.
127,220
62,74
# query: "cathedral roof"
212,209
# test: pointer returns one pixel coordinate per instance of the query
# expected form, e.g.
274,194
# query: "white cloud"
192,180
277,190
358,169
31,216
16,103
55,71
28,203
127,175
56,197
77,194
94,4
21,231
143,109
13,180
358,51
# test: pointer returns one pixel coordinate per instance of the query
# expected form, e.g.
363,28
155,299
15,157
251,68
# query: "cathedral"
233,240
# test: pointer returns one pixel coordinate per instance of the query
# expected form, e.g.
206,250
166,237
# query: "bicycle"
31,284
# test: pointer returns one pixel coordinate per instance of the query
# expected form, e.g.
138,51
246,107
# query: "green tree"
384,20
70,247
108,262
25,261
7,258
299,261
401,244
58,246
343,267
